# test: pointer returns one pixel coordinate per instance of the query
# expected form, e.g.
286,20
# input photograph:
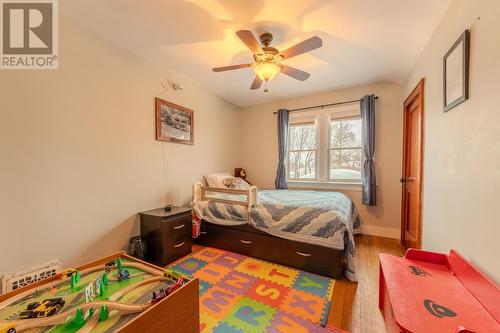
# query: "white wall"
78,152
259,151
462,146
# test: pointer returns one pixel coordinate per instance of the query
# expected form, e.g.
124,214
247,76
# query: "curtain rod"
325,105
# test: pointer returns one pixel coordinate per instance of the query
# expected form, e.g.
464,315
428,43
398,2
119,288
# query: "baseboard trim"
373,230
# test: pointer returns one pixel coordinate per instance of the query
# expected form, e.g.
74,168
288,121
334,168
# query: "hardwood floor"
355,305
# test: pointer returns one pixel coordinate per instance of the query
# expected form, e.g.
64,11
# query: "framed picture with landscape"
174,123
456,73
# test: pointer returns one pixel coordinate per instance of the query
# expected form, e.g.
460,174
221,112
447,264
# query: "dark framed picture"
456,73
174,123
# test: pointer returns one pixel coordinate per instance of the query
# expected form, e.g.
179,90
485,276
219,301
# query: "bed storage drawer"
308,257
247,243
255,243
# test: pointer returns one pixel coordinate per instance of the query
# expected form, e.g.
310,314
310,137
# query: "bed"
308,230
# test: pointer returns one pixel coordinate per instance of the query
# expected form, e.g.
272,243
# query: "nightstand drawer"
174,242
177,226
177,247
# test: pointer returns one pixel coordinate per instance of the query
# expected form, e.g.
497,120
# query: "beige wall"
259,151
79,159
462,147
78,154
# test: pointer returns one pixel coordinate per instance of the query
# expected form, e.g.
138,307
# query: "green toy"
103,313
101,289
79,317
105,279
119,263
77,276
73,281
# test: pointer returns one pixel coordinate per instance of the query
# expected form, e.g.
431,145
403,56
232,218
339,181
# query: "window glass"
345,133
302,165
345,150
302,151
302,137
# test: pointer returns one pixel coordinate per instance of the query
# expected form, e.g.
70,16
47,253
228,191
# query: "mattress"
328,219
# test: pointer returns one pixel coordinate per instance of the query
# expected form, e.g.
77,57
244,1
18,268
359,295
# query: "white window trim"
346,186
322,119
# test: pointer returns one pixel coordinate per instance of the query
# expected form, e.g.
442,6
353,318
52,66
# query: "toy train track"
112,304
55,283
80,300
122,308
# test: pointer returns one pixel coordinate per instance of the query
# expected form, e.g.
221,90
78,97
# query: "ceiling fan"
268,59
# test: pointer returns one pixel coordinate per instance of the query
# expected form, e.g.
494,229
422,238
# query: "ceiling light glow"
266,71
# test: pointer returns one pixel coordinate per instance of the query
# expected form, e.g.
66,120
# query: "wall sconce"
176,86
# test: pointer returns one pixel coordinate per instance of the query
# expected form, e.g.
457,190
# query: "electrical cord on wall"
164,171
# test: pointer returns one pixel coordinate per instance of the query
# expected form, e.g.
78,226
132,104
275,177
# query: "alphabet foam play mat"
244,294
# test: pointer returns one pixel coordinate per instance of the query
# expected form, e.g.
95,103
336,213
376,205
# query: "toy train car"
158,295
123,274
46,308
110,265
176,286
173,275
66,273
8,328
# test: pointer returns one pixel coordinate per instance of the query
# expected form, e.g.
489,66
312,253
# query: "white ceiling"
363,40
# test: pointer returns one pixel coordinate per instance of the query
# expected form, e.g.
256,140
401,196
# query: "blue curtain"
280,181
368,130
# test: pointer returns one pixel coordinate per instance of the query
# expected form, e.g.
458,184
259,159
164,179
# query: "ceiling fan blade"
228,68
257,82
250,41
303,47
294,73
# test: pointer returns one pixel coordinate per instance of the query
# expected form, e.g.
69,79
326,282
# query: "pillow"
235,183
216,179
242,184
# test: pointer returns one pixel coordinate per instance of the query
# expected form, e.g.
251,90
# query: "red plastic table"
433,292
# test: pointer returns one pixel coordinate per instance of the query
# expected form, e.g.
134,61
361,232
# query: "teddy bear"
241,173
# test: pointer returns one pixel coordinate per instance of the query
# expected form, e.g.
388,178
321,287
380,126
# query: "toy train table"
436,293
117,293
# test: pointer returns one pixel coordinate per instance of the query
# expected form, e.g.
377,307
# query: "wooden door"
411,179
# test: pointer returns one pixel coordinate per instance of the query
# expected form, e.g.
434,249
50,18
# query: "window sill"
325,185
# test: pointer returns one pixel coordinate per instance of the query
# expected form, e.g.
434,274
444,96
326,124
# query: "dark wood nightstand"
167,234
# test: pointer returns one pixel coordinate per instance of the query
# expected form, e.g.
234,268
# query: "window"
345,149
325,146
302,151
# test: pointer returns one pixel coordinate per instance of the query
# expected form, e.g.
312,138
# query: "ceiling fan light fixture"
267,59
266,71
